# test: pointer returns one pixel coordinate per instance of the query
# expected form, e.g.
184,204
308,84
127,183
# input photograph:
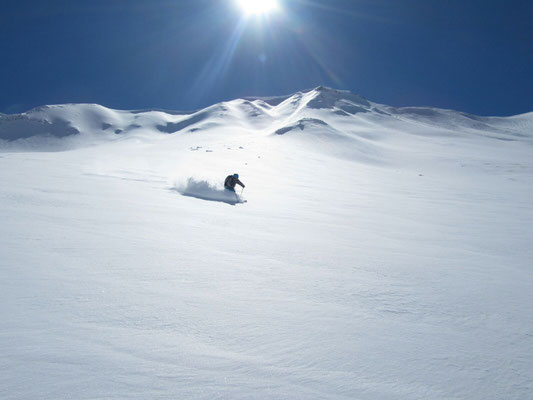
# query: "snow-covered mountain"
382,253
318,108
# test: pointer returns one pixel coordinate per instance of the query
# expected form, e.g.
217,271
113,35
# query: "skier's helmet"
236,176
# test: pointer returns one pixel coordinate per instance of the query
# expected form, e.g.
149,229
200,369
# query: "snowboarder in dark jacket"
231,181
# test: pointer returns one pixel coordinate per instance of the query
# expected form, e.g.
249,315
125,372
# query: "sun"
258,6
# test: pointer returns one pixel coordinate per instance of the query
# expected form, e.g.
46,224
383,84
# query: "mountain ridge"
274,114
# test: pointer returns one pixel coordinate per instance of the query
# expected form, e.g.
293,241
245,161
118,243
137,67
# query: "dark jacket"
231,181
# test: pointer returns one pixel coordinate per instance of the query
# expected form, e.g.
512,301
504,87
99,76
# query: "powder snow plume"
205,190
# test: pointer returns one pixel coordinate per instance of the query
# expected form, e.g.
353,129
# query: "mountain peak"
345,100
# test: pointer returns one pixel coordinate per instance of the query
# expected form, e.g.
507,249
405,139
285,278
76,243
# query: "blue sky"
469,55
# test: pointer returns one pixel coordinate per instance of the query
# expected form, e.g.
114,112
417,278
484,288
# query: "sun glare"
258,6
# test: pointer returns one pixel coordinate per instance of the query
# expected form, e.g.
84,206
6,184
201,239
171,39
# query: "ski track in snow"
383,253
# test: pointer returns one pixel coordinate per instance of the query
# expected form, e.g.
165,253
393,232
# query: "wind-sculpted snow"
301,125
270,101
339,99
12,129
91,121
501,128
173,127
323,109
252,110
205,190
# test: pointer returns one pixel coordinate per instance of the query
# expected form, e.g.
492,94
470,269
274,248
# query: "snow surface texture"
383,253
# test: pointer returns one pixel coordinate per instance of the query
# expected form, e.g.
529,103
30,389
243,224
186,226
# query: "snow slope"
383,253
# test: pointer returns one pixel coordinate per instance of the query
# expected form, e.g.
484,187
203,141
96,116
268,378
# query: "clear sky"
468,55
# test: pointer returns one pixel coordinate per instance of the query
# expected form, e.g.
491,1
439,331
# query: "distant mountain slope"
341,112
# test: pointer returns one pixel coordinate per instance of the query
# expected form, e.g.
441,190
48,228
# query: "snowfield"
382,253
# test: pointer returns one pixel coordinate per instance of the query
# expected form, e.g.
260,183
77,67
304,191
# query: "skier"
231,181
